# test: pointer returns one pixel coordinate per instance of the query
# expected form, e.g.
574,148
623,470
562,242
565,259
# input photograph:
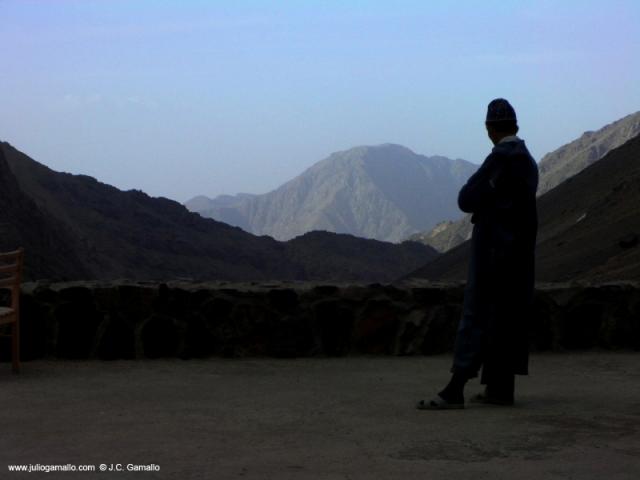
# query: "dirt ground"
576,417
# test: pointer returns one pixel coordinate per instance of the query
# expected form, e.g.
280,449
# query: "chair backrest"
11,273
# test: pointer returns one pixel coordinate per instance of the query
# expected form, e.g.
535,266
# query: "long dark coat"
501,195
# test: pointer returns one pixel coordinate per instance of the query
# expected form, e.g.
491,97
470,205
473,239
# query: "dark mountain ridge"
75,227
589,226
566,161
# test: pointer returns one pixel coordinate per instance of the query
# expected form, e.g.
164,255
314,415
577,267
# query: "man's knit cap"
500,110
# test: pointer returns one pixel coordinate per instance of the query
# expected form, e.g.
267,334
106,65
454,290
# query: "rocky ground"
577,416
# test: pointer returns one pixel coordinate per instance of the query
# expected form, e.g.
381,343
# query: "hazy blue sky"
181,97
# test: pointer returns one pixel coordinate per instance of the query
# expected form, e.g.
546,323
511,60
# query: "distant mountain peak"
383,192
364,150
392,146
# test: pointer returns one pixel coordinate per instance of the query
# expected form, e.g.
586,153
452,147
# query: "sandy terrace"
577,417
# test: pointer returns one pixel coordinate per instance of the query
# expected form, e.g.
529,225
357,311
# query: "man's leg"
454,391
469,343
500,385
502,388
467,360
468,348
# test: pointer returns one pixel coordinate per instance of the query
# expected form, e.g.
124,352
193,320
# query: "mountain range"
384,192
77,228
555,168
74,227
589,226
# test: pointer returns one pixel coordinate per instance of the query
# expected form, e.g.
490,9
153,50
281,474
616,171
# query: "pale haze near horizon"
180,98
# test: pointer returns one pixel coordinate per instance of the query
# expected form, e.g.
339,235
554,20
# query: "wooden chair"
10,278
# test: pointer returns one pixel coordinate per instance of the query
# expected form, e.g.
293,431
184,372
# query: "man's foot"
439,403
488,399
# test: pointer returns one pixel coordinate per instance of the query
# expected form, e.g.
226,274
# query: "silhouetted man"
492,333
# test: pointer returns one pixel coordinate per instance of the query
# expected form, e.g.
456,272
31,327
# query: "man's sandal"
438,403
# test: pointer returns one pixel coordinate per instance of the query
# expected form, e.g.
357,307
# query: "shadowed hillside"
75,227
555,167
53,250
589,226
563,163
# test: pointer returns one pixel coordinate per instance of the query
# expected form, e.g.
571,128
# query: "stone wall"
133,320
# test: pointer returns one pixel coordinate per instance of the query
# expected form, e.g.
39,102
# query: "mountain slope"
555,167
385,192
52,250
74,227
589,226
129,234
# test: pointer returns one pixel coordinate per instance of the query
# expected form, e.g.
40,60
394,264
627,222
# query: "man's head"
501,120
